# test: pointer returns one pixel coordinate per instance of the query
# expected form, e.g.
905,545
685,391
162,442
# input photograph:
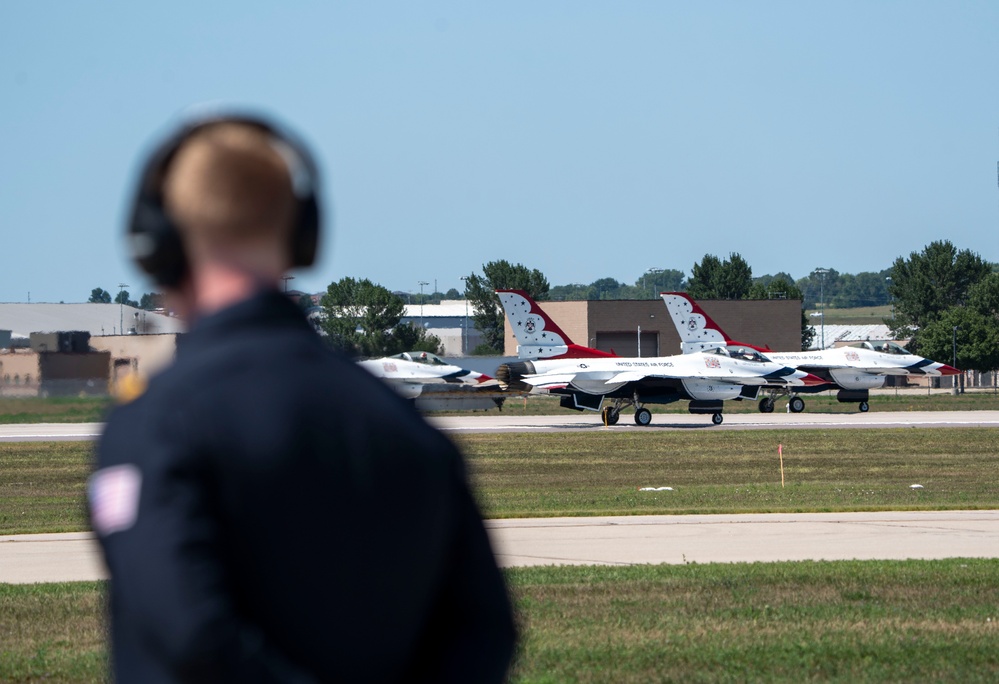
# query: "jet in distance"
586,378
853,370
434,384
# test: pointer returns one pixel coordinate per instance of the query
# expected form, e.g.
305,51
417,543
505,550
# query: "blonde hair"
229,186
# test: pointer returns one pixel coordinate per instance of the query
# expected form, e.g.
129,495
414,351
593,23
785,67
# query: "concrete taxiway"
500,422
575,422
629,540
676,539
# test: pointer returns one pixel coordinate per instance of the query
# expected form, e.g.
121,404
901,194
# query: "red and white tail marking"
696,328
538,336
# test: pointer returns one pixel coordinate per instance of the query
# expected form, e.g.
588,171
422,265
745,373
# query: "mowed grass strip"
777,622
21,410
845,621
713,471
43,486
53,633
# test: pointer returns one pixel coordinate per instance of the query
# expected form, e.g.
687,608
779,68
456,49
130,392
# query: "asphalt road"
623,540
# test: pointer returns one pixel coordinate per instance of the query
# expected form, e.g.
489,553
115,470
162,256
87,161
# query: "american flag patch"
114,498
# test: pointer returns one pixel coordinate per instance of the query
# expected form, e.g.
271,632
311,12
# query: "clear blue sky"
583,139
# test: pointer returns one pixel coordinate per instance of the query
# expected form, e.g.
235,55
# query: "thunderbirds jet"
854,370
434,384
585,377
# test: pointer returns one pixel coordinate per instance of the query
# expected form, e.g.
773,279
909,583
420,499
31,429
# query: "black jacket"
294,520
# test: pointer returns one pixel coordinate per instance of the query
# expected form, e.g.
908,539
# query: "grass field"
557,474
778,622
53,409
528,475
783,622
861,315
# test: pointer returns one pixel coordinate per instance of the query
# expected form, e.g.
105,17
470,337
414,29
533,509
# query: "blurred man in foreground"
268,510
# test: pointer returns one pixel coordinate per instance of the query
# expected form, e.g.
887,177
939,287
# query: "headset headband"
153,238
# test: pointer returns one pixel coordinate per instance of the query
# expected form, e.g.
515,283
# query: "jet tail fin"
538,336
696,328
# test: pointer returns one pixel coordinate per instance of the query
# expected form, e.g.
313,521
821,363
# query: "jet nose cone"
811,380
948,370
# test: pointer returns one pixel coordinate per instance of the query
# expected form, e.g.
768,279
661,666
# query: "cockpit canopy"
739,352
883,347
421,357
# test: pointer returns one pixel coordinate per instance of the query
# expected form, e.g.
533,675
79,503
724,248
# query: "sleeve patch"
114,498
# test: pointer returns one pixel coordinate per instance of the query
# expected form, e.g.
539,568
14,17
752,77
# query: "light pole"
422,283
653,271
121,308
286,278
955,357
891,297
464,337
822,295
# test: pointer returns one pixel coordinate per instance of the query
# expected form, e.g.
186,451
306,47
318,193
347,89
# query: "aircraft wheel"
766,405
717,418
797,404
864,407
610,416
643,417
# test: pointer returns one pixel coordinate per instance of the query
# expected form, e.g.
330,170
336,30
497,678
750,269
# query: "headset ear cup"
155,243
306,233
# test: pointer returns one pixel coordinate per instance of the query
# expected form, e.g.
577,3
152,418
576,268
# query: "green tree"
713,278
821,283
929,283
99,296
480,292
976,336
151,301
123,298
781,287
361,318
863,289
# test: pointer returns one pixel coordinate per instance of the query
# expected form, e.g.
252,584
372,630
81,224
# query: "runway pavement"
629,540
572,422
677,539
50,432
499,422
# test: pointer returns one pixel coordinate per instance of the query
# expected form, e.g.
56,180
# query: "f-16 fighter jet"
433,383
854,370
586,378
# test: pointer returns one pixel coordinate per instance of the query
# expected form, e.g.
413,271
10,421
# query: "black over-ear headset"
153,238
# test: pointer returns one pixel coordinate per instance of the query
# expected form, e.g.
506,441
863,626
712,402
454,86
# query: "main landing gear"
611,414
643,416
795,404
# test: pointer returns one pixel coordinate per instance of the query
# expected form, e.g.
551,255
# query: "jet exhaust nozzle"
509,376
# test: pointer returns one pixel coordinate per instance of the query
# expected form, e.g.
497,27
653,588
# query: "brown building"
614,325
